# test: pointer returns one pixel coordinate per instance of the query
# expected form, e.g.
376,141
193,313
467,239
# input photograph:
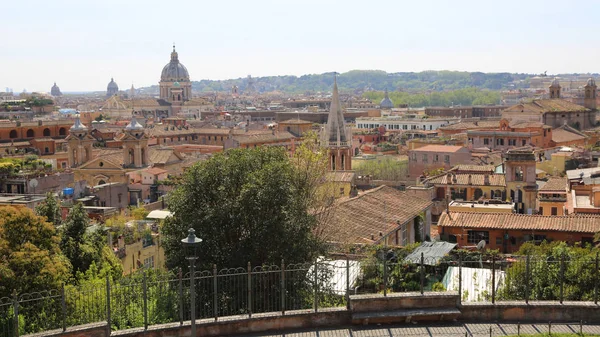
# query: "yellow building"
552,197
338,183
145,252
557,163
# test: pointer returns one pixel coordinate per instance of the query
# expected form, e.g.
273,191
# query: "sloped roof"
568,223
473,168
471,125
379,210
463,179
566,134
546,105
432,252
341,176
555,184
439,148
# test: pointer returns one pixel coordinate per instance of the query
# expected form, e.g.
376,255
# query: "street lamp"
191,243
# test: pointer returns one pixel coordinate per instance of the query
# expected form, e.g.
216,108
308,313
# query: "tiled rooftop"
569,223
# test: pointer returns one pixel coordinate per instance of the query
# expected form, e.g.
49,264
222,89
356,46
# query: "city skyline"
81,45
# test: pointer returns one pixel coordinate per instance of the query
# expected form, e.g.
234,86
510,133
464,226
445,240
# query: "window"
500,141
512,142
436,158
425,158
341,191
486,141
149,262
523,142
476,236
447,159
554,211
414,157
541,210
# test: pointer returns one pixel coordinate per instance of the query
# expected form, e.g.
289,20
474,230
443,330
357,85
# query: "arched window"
46,132
62,132
101,182
30,133
13,134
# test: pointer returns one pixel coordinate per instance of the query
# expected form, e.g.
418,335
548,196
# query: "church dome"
174,71
555,83
386,102
134,125
78,126
591,82
112,85
55,91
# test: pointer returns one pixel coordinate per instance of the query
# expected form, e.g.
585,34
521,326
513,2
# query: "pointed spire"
386,94
336,128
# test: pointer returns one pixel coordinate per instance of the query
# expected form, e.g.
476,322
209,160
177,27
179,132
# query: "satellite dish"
481,245
33,183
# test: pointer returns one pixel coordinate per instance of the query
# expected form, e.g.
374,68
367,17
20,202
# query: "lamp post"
191,243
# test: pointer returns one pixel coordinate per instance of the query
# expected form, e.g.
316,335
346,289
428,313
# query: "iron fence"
150,297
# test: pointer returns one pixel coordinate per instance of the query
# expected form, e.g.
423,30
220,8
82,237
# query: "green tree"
49,209
31,257
247,205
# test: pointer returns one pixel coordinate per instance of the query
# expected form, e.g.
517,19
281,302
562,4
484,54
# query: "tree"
247,205
49,209
31,257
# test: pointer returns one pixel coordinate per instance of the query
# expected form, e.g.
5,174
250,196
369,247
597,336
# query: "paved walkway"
448,330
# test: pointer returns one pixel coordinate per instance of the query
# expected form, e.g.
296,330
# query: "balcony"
552,197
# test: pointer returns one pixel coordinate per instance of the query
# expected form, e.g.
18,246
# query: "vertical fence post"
316,304
518,328
215,298
562,276
493,278
527,261
180,296
108,318
249,290
459,278
283,291
16,311
63,301
145,294
385,274
347,283
596,281
193,295
422,273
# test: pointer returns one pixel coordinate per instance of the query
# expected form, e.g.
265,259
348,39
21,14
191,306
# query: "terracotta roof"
267,137
155,170
546,105
474,168
562,135
555,184
295,121
379,210
472,125
568,223
463,179
439,148
341,176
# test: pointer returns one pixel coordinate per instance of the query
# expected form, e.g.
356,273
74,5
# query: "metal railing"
151,297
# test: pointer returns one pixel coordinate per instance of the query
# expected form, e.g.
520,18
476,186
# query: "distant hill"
360,81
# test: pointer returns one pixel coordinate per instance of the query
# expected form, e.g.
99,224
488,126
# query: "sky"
81,44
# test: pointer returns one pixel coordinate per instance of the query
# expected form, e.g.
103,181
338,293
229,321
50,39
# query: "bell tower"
519,172
80,144
554,89
336,137
589,100
135,145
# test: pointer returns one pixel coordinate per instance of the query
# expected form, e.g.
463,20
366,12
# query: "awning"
158,214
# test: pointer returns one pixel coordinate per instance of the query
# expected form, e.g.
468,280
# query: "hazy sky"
80,44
